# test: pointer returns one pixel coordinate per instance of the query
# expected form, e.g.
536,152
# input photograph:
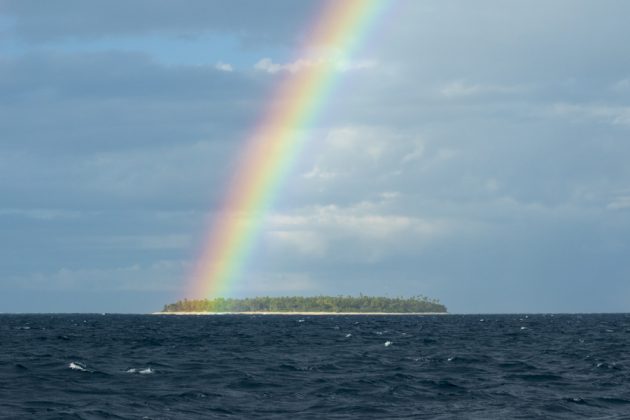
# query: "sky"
474,152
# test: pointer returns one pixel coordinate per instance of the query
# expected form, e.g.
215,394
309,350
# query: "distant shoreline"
307,305
299,313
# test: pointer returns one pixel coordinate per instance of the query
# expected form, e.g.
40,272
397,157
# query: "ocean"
314,367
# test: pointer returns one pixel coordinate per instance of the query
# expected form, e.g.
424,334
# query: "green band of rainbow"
275,143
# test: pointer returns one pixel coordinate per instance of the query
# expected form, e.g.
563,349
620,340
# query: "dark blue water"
170,367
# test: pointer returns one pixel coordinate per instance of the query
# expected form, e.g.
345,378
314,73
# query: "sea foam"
78,366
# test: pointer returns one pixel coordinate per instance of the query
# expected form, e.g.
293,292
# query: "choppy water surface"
161,367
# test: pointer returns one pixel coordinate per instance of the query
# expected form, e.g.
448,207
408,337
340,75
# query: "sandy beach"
300,313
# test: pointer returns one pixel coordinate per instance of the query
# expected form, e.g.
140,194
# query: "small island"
316,305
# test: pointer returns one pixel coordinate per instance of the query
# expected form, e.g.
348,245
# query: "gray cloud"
108,101
276,21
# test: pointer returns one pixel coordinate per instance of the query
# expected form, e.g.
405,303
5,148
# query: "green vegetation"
340,304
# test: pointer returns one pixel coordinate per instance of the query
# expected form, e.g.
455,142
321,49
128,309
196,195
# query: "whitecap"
145,371
388,343
78,366
348,335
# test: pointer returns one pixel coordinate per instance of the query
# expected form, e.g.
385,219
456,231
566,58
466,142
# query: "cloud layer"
475,153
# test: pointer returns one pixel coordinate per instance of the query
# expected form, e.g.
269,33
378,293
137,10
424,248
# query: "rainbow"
275,143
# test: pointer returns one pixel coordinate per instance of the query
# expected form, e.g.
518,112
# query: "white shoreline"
299,313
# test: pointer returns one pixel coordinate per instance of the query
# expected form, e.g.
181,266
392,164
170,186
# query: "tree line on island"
414,304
